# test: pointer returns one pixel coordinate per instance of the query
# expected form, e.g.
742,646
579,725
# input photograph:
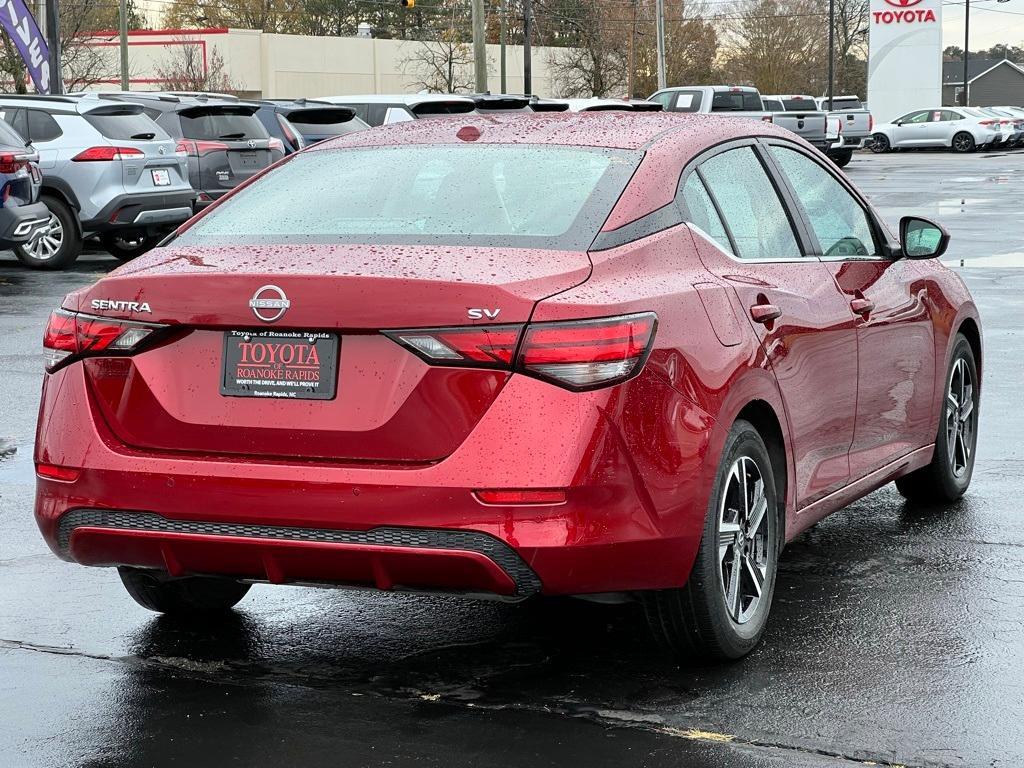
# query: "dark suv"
301,122
224,140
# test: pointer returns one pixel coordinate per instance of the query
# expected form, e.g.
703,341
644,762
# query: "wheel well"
58,193
763,417
970,330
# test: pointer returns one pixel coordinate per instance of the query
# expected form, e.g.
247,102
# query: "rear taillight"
578,355
987,122
871,123
290,134
768,118
107,153
69,334
195,148
12,163
275,144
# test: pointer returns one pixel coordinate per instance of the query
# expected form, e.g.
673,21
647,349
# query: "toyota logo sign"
269,297
903,3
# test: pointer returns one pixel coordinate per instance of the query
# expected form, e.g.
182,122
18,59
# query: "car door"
936,129
895,336
911,130
747,237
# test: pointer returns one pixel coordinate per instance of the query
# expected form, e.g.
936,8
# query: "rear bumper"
632,517
158,210
17,225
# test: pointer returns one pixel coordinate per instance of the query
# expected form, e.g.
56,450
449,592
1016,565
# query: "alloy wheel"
46,244
960,418
744,540
961,142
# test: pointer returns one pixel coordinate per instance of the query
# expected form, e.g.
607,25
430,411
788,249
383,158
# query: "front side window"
750,205
839,221
915,117
486,194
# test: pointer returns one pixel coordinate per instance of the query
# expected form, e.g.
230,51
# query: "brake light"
987,122
871,123
196,148
516,497
11,163
768,118
289,134
106,153
577,355
69,334
275,144
54,472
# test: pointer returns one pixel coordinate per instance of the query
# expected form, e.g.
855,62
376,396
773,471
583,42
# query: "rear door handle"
765,313
862,306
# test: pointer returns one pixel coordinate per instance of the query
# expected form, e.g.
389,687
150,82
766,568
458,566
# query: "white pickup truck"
800,115
743,101
856,124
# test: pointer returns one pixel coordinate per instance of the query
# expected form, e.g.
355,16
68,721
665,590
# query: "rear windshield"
443,108
800,105
843,104
494,195
326,122
736,101
138,127
223,125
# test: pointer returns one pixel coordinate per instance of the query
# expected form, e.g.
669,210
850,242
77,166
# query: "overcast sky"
991,22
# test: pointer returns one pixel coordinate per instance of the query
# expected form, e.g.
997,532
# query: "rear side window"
501,195
839,221
687,101
223,125
120,126
42,126
17,120
702,211
736,101
750,205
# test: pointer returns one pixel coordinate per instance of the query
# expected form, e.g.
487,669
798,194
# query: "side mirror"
899,123
922,239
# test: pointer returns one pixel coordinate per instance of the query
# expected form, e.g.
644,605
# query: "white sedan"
960,129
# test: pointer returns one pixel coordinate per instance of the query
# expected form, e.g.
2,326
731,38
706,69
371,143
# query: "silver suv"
108,171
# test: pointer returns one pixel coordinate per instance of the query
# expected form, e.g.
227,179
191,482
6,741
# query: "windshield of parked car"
480,194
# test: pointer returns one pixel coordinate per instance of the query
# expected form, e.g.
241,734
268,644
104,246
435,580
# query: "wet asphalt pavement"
895,637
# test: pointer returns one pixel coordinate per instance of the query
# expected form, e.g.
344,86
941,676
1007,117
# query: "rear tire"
126,245
880,144
948,475
842,158
713,617
963,142
190,595
57,246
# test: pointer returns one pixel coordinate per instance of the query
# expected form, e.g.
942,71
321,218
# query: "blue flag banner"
21,26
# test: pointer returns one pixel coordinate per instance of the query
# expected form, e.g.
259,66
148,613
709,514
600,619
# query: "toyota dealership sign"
905,57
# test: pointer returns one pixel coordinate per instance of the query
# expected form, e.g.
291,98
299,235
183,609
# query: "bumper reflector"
53,472
520,497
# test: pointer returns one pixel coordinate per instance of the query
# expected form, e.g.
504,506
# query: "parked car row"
961,129
125,168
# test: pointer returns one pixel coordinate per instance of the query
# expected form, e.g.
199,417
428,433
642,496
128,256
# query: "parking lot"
894,639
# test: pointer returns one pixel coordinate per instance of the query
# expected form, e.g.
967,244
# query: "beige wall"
271,65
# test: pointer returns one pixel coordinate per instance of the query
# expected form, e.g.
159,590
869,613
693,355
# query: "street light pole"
479,46
527,43
965,91
124,45
660,27
831,50
53,43
503,10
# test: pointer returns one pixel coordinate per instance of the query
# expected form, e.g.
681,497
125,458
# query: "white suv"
108,171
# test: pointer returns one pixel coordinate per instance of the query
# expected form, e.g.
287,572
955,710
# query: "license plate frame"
249,159
161,177
259,370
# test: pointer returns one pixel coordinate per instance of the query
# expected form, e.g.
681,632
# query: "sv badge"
480,314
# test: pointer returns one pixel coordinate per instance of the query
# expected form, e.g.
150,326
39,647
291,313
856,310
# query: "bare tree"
186,69
594,61
440,66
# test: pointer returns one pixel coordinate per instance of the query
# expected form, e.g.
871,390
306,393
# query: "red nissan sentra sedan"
609,355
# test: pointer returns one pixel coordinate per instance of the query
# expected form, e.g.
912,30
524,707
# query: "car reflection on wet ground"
895,636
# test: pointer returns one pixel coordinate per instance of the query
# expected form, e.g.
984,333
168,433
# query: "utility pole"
632,53
831,50
53,43
967,55
660,23
502,34
527,41
124,45
479,46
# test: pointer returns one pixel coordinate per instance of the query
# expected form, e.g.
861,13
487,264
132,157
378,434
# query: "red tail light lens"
69,334
987,122
768,118
54,472
275,144
586,354
577,355
101,154
194,148
514,497
871,123
11,163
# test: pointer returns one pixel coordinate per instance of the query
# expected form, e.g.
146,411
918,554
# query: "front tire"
721,612
58,245
948,475
190,595
880,144
963,142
